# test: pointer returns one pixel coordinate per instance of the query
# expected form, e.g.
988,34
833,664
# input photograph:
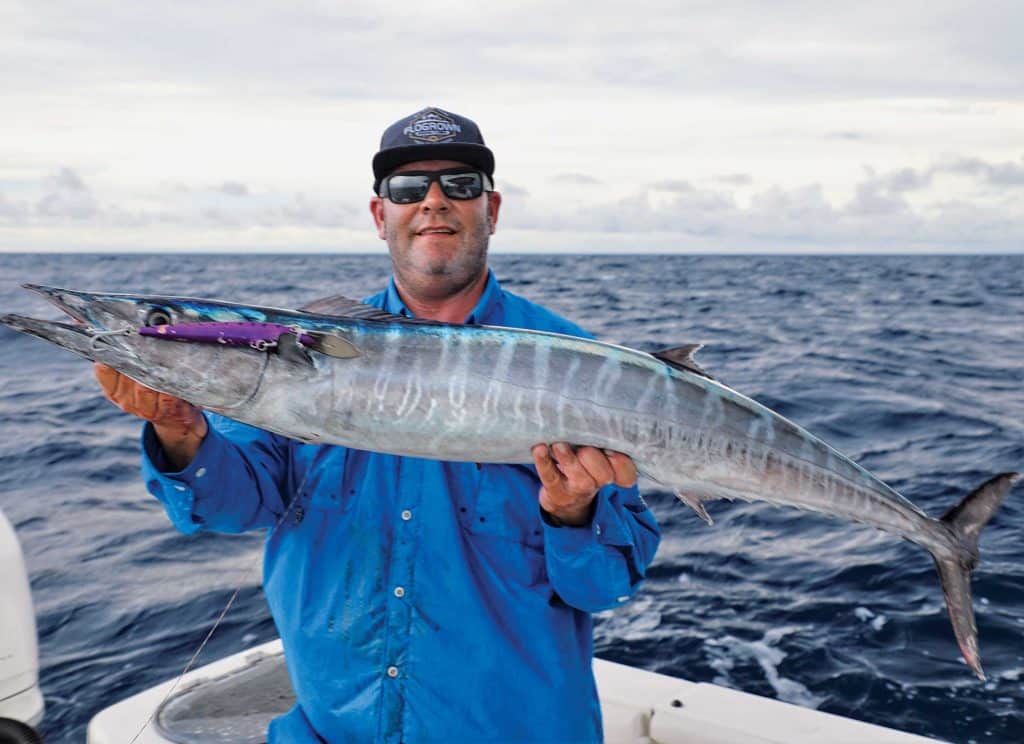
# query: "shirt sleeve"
234,483
602,564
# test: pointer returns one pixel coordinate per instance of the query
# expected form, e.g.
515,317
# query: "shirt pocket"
504,505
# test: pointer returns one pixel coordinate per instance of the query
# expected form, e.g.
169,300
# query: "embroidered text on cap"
432,126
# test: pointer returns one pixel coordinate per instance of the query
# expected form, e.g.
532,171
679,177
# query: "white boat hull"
638,707
20,698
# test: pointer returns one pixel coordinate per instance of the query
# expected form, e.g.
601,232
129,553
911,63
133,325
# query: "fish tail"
965,521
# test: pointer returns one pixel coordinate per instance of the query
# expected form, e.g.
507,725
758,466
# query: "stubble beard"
437,277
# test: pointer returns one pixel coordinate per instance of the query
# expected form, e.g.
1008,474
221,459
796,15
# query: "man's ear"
377,210
493,206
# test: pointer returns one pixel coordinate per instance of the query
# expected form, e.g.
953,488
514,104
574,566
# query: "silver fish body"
490,394
484,394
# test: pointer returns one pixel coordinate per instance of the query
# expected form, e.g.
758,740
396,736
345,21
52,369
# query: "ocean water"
914,366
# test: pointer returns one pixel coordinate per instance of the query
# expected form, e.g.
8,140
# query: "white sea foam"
634,622
727,650
865,615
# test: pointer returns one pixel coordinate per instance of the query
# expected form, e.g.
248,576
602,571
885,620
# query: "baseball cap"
431,134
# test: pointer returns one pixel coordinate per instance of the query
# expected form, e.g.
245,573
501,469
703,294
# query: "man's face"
439,245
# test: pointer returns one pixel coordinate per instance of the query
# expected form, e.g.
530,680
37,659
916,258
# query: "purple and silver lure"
259,336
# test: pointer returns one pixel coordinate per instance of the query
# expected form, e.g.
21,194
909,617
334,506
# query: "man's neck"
452,308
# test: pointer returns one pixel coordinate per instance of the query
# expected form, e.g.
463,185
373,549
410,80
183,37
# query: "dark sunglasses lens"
462,185
408,189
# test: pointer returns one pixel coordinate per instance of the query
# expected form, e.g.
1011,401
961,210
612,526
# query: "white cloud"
234,188
877,215
575,179
900,209
66,196
738,119
11,211
735,179
873,200
679,187
997,174
513,191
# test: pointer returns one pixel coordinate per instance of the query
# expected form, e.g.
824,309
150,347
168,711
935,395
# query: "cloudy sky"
659,126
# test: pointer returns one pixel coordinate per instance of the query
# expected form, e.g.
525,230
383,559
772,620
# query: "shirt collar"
487,310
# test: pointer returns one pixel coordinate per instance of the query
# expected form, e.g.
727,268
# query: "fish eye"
158,317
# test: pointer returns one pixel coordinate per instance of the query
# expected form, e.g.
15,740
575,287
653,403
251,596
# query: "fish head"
212,376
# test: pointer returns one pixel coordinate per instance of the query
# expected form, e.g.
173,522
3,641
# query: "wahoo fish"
339,372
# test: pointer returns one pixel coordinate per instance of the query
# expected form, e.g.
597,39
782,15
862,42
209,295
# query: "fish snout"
76,304
75,338
101,312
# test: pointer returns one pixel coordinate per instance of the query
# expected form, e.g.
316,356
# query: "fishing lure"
256,335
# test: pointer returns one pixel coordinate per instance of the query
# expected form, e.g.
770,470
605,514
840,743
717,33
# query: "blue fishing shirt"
418,600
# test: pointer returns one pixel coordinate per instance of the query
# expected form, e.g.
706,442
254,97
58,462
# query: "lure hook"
97,335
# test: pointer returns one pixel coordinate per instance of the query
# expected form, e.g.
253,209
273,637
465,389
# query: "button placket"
408,491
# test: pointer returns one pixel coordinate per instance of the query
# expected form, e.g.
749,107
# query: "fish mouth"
74,304
95,345
99,311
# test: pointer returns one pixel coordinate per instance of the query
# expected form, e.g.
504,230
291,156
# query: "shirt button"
201,472
598,529
399,592
392,671
406,515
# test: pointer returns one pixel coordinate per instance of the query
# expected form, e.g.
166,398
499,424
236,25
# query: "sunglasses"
410,187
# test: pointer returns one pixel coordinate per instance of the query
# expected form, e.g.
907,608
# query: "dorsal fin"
681,357
349,308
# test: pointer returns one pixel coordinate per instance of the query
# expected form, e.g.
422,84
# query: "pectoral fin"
333,345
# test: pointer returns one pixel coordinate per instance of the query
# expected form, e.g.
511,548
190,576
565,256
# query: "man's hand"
179,425
570,480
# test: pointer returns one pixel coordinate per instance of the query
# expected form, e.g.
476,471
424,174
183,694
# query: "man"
419,600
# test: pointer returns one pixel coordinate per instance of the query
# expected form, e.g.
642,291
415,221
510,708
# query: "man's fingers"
107,377
596,464
588,468
111,383
146,402
123,393
550,476
134,398
579,479
624,467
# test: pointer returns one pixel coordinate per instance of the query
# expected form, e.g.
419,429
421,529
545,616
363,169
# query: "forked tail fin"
966,521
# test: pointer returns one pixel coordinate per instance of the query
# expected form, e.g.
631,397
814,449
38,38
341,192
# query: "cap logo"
431,127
